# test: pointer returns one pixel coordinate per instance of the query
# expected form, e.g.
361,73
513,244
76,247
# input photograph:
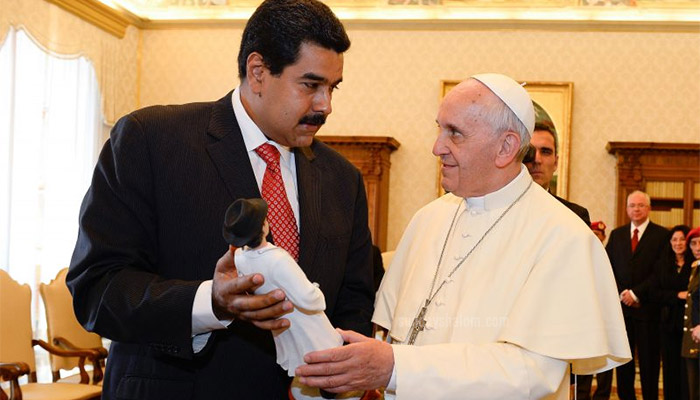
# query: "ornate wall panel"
371,155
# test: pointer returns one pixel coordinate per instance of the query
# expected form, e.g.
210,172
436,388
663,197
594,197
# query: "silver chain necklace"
419,322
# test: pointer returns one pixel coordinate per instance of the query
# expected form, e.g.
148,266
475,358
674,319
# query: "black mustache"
313,119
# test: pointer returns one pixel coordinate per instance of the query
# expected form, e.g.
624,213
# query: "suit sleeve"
586,217
658,293
114,276
355,302
610,248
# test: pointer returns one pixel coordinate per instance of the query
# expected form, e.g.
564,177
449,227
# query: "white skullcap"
513,94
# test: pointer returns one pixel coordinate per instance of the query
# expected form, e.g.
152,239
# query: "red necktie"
635,239
280,216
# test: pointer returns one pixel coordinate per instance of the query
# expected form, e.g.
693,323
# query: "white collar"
641,228
502,197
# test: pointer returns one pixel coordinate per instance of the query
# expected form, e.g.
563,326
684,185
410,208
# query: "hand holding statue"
230,298
363,364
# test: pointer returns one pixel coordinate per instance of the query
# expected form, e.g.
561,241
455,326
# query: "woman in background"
691,337
673,274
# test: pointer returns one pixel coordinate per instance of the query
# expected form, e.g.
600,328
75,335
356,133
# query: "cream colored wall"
627,87
115,60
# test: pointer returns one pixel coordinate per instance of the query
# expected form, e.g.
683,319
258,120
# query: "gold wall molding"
115,17
104,17
458,25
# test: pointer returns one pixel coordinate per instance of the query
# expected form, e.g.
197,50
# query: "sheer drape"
49,131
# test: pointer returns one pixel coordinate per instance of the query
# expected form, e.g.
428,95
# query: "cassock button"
685,329
685,317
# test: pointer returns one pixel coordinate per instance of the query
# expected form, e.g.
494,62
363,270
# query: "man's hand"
363,364
230,299
628,300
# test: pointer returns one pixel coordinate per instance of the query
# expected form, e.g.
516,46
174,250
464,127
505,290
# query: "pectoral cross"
418,323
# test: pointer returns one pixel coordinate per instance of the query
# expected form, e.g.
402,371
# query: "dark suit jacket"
582,212
668,281
636,271
150,233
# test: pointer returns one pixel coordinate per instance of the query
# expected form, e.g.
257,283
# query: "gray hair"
502,119
646,196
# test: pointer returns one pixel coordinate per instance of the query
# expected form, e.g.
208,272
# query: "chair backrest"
62,322
15,322
387,256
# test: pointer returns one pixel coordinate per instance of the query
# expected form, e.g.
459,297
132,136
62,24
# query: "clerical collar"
502,197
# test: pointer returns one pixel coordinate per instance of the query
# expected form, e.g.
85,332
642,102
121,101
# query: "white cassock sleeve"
462,370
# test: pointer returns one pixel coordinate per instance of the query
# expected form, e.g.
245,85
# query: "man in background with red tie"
151,270
633,250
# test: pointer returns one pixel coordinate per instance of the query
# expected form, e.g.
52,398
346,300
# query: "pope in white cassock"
496,287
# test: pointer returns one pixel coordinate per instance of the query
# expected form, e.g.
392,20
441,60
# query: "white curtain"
50,125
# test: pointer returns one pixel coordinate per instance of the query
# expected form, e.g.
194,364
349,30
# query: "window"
50,123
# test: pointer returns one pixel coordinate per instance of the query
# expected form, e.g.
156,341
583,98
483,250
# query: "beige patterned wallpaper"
628,86
63,33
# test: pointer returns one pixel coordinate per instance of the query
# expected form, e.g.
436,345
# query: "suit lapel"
649,232
309,189
228,153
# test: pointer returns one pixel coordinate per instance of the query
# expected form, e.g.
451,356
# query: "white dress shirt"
640,229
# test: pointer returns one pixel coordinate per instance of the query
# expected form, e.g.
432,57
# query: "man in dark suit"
633,250
151,270
544,161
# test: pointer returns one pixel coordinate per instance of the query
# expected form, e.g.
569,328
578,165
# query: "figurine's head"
244,221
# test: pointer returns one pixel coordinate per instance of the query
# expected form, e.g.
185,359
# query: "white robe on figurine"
309,329
537,294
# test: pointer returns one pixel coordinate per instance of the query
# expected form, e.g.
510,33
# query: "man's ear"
508,150
255,72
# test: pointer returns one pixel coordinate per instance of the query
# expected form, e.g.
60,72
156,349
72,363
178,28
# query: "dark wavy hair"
278,28
668,250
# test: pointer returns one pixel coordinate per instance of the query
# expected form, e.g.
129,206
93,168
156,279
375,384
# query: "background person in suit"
634,249
670,291
691,330
544,163
151,270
